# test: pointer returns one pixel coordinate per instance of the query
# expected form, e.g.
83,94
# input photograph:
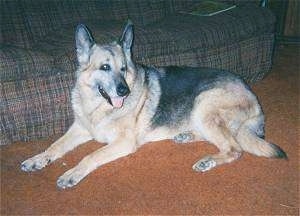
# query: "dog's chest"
104,133
109,130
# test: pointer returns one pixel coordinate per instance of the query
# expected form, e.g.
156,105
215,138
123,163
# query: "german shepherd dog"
126,105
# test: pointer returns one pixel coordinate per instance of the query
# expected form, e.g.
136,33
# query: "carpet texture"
158,178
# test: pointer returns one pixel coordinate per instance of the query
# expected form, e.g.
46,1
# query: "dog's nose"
122,90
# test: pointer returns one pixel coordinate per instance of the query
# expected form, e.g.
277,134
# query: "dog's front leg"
101,156
75,136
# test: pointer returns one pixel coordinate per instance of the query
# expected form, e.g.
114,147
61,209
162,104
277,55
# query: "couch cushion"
23,22
176,34
18,63
182,32
35,108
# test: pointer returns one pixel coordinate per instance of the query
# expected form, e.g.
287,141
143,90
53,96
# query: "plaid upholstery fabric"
250,59
184,31
19,63
37,53
35,108
23,22
173,36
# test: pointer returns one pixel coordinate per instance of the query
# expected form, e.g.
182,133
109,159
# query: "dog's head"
105,70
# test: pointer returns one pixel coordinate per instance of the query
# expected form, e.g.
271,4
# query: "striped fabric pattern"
38,63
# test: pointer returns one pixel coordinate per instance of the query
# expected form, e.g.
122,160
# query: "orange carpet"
158,178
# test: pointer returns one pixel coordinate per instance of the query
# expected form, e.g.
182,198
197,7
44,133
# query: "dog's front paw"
184,137
204,164
70,178
36,163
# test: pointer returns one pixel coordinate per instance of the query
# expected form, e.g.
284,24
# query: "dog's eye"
105,67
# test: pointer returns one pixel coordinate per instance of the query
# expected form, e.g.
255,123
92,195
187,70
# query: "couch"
37,56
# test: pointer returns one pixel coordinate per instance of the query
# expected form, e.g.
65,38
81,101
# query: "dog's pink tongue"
117,102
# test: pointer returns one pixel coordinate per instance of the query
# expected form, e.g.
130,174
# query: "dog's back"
179,88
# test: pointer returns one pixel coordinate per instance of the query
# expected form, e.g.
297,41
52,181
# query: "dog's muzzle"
117,102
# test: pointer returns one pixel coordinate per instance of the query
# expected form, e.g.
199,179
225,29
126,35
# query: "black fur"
279,153
104,94
179,88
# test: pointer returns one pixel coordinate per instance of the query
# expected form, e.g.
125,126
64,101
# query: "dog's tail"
252,143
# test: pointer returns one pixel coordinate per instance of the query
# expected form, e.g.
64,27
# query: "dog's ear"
126,42
84,42
127,36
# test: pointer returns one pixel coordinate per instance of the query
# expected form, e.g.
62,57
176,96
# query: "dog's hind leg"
214,129
211,161
250,138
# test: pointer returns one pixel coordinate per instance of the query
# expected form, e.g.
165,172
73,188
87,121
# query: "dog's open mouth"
116,102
